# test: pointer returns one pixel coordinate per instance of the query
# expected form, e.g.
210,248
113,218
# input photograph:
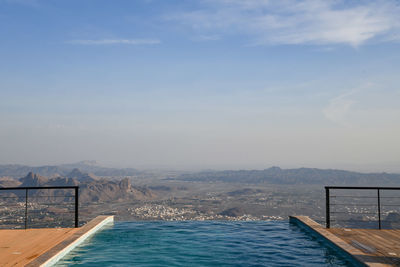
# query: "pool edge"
332,240
53,255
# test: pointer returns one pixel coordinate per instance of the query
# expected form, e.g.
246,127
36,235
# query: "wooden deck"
367,246
19,247
41,247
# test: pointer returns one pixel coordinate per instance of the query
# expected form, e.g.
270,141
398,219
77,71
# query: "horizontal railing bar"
33,197
53,225
33,225
356,196
38,187
362,187
43,208
63,219
336,220
56,212
38,205
348,204
36,202
352,212
30,197
363,197
372,206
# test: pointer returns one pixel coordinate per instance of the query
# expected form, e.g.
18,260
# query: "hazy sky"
201,84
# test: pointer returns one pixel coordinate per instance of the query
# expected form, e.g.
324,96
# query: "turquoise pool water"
210,243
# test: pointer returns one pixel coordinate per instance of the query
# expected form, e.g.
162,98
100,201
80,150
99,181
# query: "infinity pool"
210,243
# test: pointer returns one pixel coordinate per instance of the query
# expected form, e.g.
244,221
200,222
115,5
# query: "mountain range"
16,170
307,176
92,189
90,171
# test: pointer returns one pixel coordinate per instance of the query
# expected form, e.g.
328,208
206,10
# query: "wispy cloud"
339,107
212,37
116,41
317,22
30,3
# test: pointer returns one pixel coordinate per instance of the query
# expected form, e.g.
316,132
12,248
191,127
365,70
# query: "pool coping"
334,241
53,255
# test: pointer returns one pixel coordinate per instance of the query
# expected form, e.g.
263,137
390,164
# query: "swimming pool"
209,243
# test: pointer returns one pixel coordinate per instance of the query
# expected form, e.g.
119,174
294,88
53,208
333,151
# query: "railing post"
379,210
327,208
26,208
76,207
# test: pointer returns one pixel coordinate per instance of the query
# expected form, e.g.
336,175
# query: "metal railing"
22,193
375,194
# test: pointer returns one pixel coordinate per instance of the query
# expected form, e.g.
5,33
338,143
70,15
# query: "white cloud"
116,41
318,22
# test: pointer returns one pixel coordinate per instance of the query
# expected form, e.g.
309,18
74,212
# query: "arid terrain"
271,194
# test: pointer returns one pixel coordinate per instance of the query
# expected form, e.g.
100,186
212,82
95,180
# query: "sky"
201,84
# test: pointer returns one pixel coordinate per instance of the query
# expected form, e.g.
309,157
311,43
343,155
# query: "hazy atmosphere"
201,84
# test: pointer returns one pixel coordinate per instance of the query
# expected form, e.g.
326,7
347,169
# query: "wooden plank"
385,241
376,249
19,247
57,252
368,246
35,247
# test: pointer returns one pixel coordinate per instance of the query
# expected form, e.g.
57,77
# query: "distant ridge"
91,188
90,171
81,176
308,176
16,171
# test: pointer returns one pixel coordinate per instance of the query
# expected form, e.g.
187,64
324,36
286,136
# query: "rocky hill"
91,188
9,182
105,191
